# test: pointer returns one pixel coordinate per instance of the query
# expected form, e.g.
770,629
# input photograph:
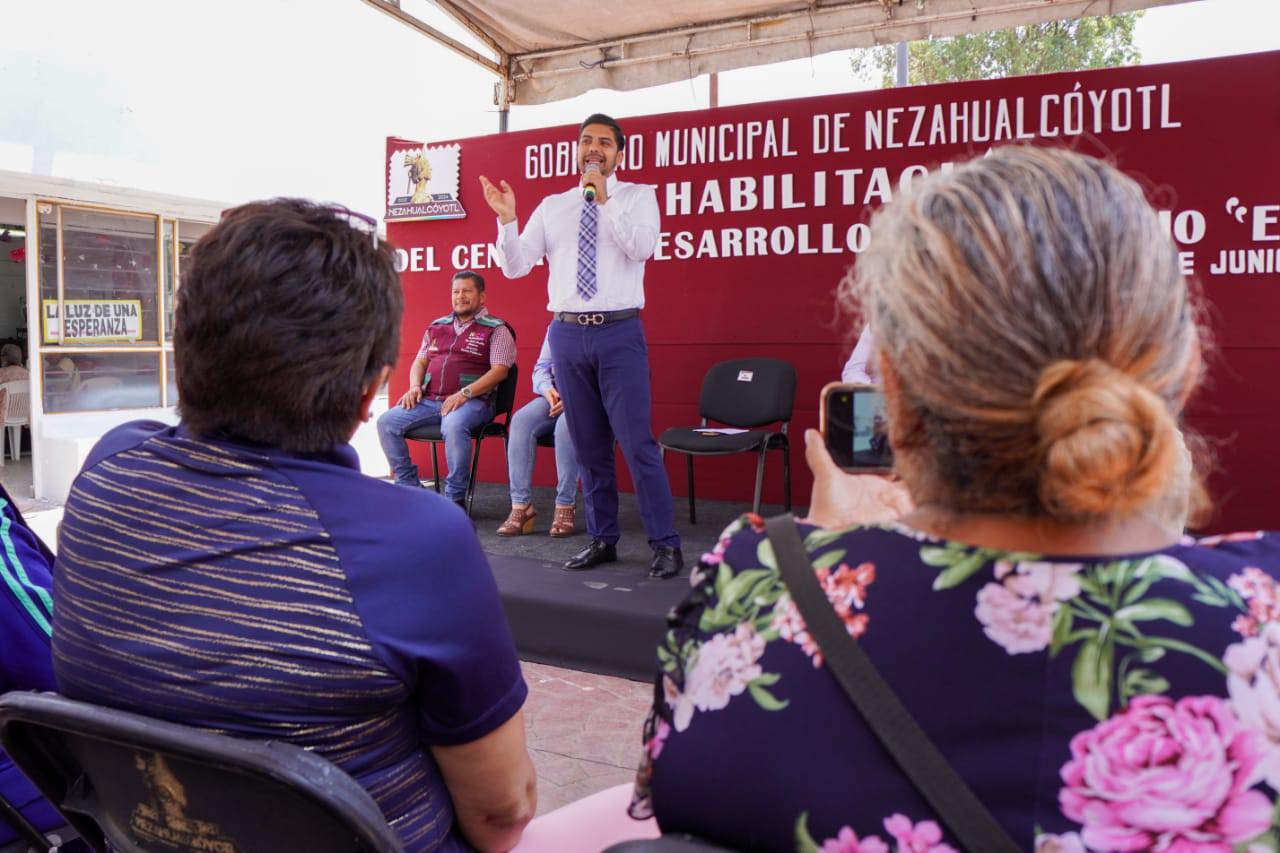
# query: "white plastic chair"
17,413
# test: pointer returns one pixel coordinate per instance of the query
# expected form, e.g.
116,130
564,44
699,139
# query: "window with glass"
109,282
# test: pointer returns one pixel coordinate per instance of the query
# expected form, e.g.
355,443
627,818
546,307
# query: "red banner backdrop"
764,208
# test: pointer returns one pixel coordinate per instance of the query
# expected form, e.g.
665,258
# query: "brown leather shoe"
519,521
563,522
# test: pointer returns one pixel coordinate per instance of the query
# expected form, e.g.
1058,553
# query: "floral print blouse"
1092,703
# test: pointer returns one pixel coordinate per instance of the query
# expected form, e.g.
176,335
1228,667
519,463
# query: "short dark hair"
600,118
285,314
473,275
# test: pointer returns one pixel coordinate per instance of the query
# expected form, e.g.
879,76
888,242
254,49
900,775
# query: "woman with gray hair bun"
1098,680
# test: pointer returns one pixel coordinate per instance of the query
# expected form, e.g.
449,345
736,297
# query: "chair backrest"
141,784
504,397
748,392
26,835
17,401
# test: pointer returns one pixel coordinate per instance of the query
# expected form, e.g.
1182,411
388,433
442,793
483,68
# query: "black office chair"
504,400
140,784
28,836
742,393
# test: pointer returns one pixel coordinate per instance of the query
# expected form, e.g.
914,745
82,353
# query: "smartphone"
855,426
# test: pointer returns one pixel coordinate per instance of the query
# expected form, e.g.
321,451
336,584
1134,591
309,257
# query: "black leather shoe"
667,563
599,551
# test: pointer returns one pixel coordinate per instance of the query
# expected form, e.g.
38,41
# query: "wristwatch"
466,392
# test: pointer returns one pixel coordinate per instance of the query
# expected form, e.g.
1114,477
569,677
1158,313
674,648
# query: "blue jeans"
456,428
528,425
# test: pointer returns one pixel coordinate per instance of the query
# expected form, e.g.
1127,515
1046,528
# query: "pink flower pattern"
1253,682
847,841
716,554
654,747
1177,775
846,589
1068,842
1017,614
922,837
1261,595
722,668
1167,775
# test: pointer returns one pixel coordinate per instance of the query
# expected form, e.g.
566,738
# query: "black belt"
596,318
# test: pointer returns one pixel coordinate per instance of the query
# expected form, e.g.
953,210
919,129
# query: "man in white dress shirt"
596,237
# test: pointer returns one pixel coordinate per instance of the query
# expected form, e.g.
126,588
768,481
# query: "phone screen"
856,427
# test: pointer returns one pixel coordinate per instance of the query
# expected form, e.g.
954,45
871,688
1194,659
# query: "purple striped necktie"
587,250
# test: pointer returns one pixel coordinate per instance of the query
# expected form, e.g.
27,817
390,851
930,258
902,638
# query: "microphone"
589,192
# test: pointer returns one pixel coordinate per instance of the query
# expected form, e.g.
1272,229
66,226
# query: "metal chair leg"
435,468
755,504
471,483
693,515
786,477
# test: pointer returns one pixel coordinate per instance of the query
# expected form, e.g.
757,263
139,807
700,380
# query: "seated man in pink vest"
465,355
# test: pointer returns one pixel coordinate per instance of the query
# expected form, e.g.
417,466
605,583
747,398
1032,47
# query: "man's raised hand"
502,201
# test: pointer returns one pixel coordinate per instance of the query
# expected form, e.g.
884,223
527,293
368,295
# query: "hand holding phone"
840,499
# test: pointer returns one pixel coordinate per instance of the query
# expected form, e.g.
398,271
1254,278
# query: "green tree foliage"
1072,45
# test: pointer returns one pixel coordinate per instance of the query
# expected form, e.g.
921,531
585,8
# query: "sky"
246,99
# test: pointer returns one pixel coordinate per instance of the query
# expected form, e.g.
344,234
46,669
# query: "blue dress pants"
602,374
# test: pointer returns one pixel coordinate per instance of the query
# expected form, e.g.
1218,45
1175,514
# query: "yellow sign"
93,321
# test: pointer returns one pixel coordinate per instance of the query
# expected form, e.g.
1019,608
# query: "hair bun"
1107,443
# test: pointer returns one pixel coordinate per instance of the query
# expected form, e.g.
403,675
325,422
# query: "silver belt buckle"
590,319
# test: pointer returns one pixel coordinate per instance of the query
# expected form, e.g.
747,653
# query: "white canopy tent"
546,50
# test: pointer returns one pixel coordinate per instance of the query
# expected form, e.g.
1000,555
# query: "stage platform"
606,620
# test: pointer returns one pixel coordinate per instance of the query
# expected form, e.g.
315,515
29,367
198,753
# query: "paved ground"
15,474
584,731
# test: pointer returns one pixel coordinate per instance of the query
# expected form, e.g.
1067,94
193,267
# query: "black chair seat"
432,432
746,393
694,440
548,440
138,784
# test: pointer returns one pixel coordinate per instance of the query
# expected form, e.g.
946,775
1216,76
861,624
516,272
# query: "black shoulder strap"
926,767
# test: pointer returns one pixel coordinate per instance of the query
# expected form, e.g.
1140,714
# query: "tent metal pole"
502,96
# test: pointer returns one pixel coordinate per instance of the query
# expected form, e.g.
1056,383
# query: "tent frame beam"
629,61
392,8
